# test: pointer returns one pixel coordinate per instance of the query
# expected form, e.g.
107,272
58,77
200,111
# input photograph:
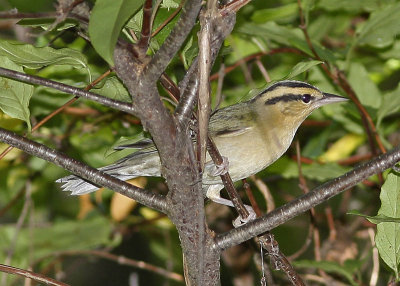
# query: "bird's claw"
221,169
239,221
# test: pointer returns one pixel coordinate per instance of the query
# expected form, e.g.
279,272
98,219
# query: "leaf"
375,219
271,31
387,235
271,14
381,28
323,172
121,206
328,266
342,148
32,57
351,6
106,21
14,95
301,67
45,23
390,104
61,236
189,52
113,88
365,88
307,6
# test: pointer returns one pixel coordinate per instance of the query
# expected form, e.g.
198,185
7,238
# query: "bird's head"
292,100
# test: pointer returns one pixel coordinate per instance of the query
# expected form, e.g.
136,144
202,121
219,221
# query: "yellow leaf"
121,206
342,148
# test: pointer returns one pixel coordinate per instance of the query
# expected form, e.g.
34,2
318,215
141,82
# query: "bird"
250,136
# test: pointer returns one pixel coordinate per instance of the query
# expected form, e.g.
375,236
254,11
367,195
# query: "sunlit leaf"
342,148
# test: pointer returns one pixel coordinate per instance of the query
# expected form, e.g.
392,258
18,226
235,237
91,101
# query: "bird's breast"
247,153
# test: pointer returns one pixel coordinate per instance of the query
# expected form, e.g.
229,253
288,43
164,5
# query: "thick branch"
90,174
309,200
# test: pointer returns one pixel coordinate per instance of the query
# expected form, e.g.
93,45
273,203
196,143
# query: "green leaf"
307,6
282,35
300,68
328,266
381,28
61,236
189,52
366,90
113,88
323,172
45,23
35,58
14,95
375,219
265,15
106,21
388,233
351,6
390,104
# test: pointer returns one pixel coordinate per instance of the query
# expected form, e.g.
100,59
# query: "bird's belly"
247,155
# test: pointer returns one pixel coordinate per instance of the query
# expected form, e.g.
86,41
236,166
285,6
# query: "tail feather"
135,165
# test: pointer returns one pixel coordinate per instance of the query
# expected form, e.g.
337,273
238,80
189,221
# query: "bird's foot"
239,221
221,169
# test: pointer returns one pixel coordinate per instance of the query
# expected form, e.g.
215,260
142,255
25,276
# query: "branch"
31,275
32,79
90,174
223,26
174,41
309,200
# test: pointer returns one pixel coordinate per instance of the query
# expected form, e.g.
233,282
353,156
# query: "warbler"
251,135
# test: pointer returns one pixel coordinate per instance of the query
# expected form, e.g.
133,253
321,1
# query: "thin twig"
31,79
254,57
143,43
279,260
31,275
227,181
120,259
204,101
58,110
169,19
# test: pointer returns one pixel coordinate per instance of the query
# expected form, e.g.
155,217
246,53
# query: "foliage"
357,39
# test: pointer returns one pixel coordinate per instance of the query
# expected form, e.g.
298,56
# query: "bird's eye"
306,98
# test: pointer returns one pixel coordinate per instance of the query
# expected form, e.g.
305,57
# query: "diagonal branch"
32,79
309,200
174,41
90,174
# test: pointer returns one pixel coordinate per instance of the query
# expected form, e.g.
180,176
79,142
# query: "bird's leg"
213,193
221,169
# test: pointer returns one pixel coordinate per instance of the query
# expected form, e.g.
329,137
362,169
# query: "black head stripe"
284,98
290,84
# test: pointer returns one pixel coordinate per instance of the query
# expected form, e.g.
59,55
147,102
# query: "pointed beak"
330,98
